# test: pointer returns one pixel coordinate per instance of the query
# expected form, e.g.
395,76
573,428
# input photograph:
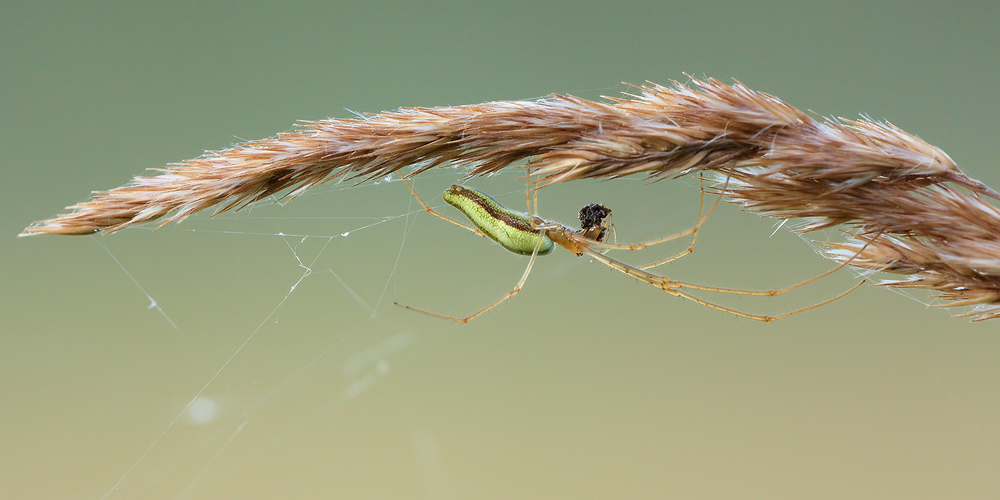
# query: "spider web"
305,248
288,299
286,324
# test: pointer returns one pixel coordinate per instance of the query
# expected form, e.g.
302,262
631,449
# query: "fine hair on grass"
906,207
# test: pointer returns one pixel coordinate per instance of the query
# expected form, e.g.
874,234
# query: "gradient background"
586,385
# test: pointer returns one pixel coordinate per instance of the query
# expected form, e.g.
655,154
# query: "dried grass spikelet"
907,207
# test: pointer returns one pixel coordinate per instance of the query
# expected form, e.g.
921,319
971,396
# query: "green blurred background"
585,385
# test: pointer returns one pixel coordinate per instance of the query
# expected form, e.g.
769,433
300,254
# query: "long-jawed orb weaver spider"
526,234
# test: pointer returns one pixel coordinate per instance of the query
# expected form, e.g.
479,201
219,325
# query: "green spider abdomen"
511,229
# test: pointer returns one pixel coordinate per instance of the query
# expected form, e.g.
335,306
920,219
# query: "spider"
526,234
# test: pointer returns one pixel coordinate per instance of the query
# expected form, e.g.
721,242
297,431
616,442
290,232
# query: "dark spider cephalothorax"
592,221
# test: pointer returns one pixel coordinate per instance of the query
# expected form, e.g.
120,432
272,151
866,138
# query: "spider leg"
771,293
702,218
432,212
517,288
759,317
674,287
694,235
531,199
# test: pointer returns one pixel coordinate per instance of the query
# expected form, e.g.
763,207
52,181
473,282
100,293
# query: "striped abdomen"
509,228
